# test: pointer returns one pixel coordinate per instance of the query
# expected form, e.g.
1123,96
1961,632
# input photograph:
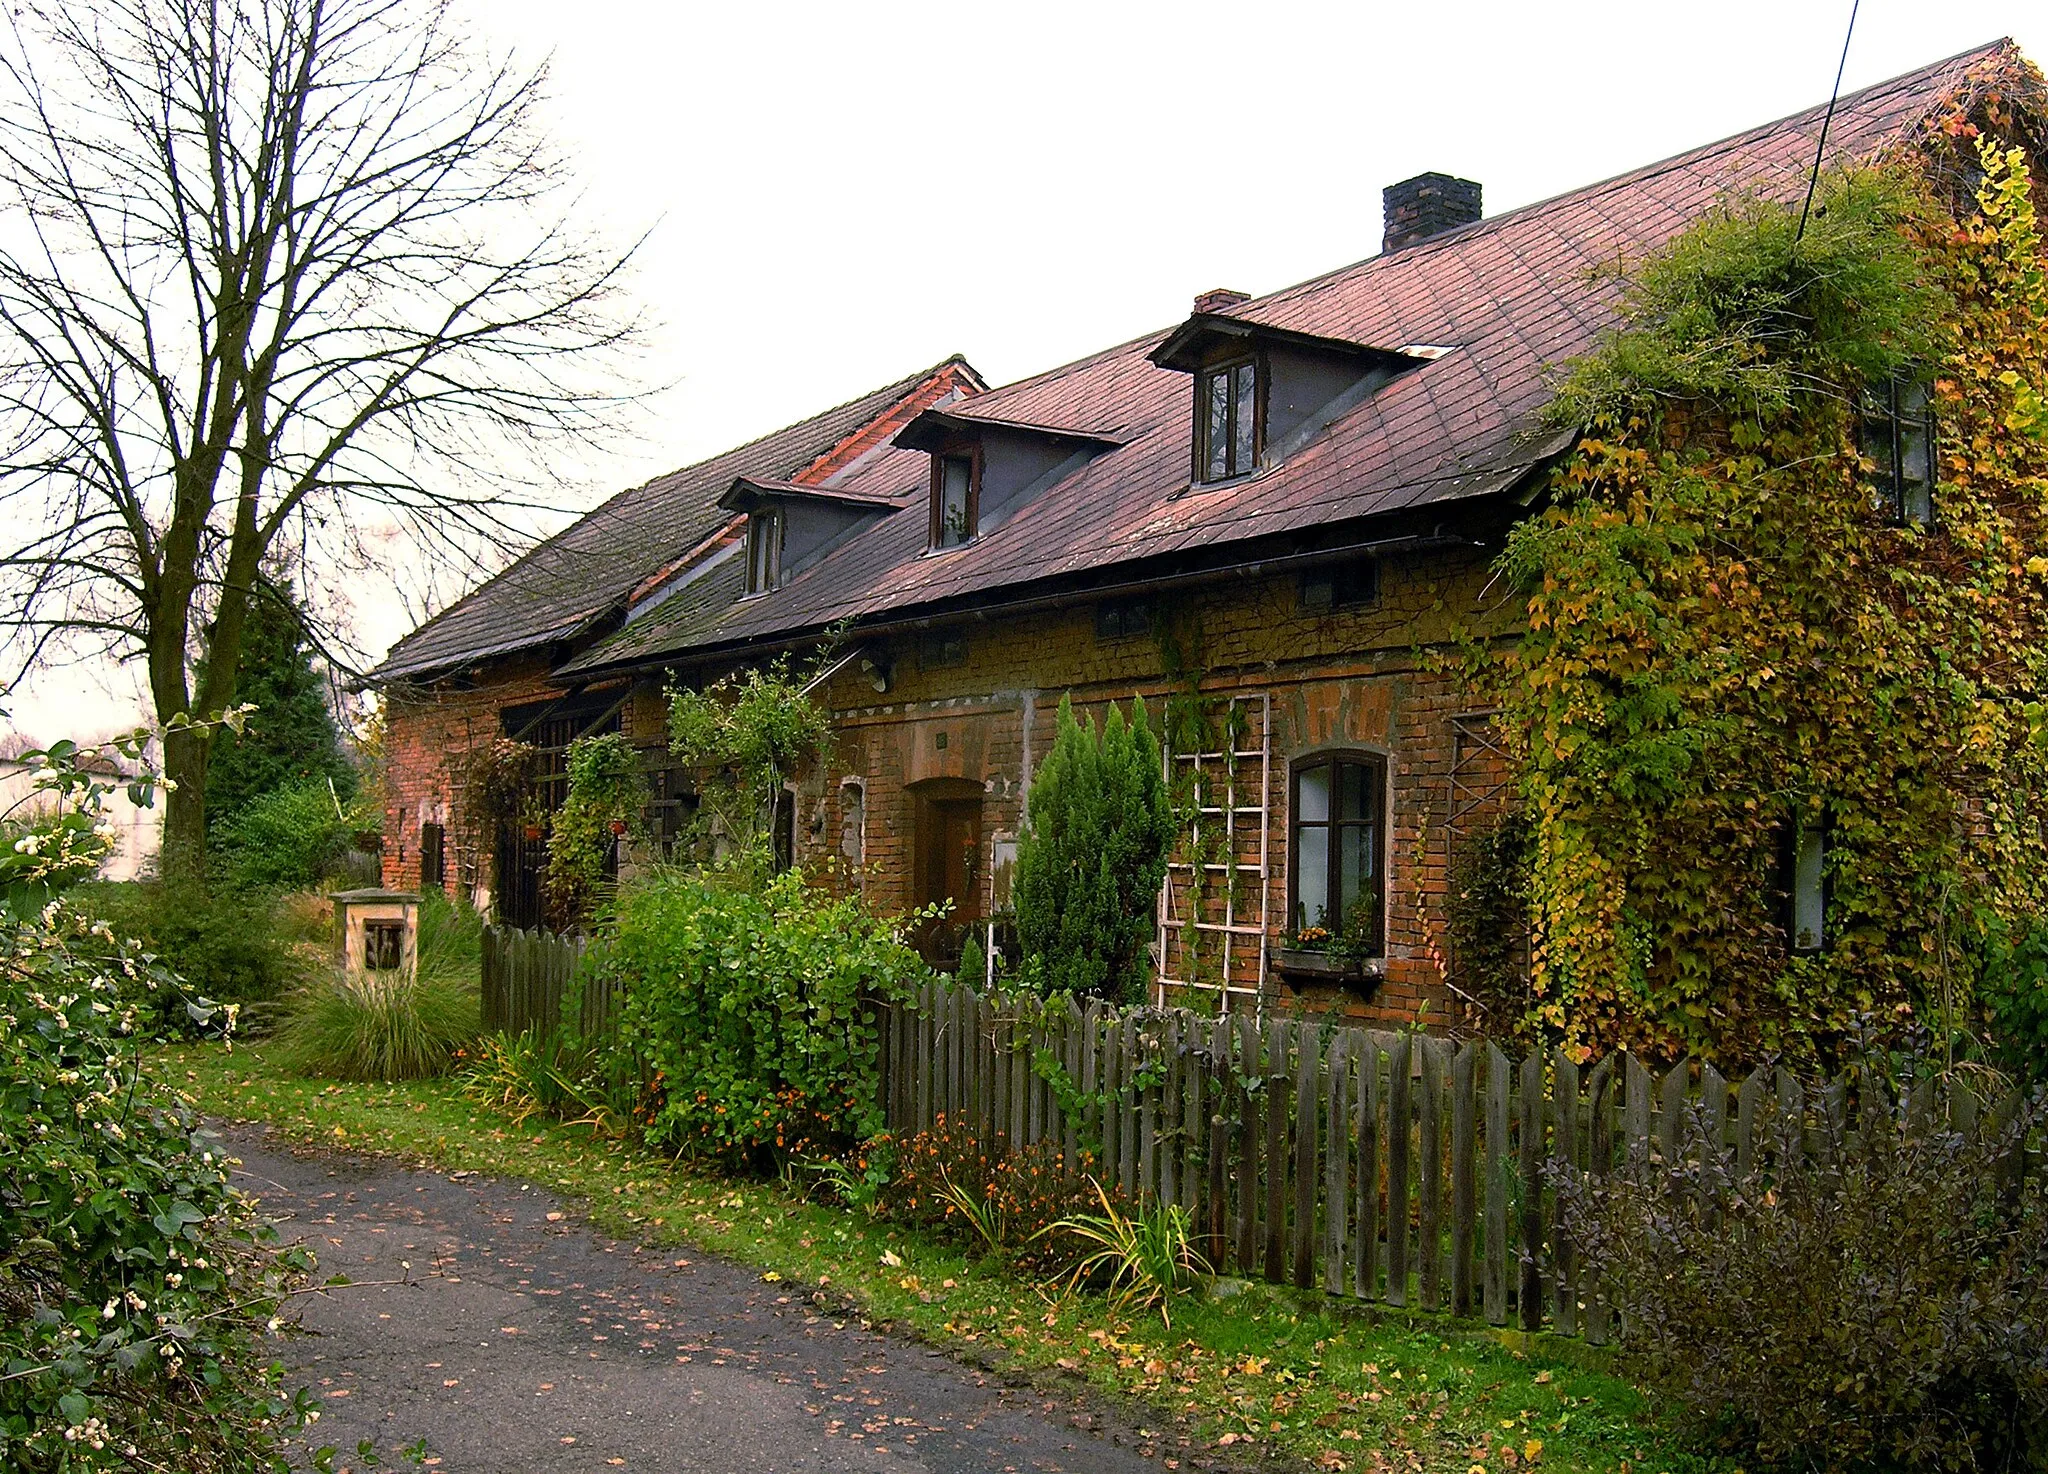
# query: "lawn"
1256,1371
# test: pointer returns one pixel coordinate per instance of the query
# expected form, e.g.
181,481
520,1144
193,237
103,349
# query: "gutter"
1258,568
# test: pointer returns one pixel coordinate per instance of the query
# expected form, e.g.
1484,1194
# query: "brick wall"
1357,679
985,714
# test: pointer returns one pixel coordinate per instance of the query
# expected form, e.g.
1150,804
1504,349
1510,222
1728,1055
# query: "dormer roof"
1198,340
936,428
748,493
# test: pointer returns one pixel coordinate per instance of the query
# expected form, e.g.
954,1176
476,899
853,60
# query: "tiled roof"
1511,297
593,567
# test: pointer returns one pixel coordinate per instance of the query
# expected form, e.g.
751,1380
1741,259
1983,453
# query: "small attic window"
956,497
1229,420
764,551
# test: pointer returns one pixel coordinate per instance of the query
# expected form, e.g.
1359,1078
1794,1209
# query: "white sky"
843,193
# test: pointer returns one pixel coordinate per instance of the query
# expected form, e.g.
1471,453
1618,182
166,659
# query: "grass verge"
1255,1373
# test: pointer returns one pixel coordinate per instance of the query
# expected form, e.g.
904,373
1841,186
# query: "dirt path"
526,1342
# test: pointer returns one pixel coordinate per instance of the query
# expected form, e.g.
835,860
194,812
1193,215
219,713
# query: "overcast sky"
842,193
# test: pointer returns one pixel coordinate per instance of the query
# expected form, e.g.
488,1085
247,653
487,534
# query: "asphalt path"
488,1321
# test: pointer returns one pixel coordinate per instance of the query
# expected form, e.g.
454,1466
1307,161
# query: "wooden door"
949,870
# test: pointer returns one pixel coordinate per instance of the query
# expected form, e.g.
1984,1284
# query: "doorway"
946,859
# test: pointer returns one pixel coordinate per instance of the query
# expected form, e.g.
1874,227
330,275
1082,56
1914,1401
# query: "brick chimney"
1427,205
1219,299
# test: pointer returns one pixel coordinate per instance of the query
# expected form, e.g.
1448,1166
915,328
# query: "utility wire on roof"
1828,117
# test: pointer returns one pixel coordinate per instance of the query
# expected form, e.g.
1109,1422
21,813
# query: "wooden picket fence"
1396,1168
1404,1169
526,981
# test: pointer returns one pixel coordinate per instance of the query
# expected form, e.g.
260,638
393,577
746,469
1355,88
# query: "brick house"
1289,504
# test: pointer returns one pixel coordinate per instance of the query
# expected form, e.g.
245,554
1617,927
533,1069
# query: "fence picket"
1464,1196
1497,1163
1429,1253
1530,1298
1564,1096
1400,1127
1245,1145
1222,1100
1336,1157
1599,1162
1274,1149
1307,1068
1365,1254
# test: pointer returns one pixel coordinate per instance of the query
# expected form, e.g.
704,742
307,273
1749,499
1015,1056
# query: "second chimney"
1427,205
1220,299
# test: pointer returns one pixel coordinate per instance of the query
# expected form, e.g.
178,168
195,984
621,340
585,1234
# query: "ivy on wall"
1728,639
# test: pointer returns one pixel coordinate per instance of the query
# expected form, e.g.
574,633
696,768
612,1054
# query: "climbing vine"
1729,639
601,808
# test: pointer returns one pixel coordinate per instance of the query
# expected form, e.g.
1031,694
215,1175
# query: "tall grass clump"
384,1026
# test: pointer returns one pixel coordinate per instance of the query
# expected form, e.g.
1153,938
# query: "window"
956,492
1353,585
1337,844
1229,422
937,649
764,551
1897,438
1122,619
383,946
433,856
1803,887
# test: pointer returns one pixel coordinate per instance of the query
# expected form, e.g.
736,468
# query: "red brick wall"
1361,679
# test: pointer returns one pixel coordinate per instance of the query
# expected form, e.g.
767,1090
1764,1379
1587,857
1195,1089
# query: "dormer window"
956,497
764,550
1229,420
1896,436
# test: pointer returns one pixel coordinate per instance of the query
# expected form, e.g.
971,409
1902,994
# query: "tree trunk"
182,860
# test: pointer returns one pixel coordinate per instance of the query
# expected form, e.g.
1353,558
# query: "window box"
1299,965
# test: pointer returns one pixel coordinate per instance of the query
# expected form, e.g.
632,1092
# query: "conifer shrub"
1092,856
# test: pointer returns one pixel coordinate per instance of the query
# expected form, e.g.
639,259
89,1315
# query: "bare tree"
271,272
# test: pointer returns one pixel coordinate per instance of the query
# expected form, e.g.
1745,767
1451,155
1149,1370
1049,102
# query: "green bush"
288,839
2012,987
134,1281
1882,1305
605,795
227,946
1092,856
384,1026
755,1009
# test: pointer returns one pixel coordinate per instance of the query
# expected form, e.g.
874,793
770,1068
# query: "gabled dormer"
790,526
985,469
1260,392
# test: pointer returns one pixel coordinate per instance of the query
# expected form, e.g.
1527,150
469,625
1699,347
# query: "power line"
1821,148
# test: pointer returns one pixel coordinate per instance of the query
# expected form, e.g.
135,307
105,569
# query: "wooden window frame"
763,580
433,856
1353,584
1376,766
1122,619
1199,467
1879,404
1790,834
971,454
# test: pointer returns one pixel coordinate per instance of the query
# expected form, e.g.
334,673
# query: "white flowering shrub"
136,1285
